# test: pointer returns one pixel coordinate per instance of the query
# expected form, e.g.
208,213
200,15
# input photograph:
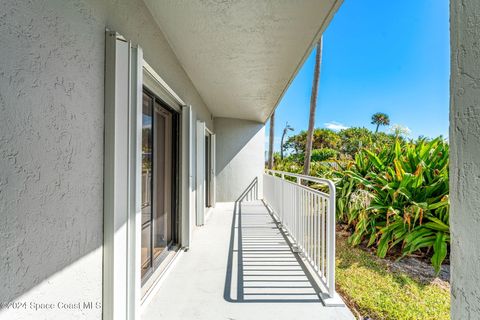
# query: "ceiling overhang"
242,55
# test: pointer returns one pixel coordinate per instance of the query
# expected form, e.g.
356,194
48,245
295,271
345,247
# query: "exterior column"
465,158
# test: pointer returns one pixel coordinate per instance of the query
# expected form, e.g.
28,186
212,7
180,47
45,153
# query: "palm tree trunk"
270,141
281,143
378,125
313,106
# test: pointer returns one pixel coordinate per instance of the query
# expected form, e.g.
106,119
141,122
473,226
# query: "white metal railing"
308,216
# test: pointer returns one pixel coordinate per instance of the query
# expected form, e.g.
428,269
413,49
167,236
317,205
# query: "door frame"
212,166
200,176
126,72
156,85
202,131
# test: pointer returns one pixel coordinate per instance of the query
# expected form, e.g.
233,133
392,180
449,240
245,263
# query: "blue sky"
378,56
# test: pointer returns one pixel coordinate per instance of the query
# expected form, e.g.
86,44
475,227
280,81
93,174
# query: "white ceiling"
241,55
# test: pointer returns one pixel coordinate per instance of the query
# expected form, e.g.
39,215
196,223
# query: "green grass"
381,294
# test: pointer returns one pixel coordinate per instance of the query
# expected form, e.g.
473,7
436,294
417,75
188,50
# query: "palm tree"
287,128
270,141
313,106
380,119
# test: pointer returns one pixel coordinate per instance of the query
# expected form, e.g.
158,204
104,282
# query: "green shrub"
323,154
396,199
295,157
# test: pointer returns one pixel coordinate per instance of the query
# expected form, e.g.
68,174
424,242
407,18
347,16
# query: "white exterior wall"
51,144
465,158
239,156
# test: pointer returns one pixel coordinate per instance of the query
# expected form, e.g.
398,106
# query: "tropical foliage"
347,142
392,193
396,199
324,154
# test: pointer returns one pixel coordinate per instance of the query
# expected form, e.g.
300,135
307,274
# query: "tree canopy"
380,119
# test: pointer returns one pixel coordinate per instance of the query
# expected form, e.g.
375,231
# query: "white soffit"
242,55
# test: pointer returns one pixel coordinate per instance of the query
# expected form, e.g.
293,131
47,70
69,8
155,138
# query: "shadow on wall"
61,252
232,136
239,156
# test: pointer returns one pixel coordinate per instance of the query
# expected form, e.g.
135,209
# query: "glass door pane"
147,175
162,216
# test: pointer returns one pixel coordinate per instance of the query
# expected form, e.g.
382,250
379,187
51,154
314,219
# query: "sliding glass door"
159,185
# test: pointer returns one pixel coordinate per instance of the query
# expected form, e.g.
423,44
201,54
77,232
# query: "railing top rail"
329,183
306,188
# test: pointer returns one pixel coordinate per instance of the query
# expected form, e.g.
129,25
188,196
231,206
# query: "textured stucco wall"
239,156
51,144
465,158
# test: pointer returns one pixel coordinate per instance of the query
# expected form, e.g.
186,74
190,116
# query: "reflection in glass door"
159,147
147,168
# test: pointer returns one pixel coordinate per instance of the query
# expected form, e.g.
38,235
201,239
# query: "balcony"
255,259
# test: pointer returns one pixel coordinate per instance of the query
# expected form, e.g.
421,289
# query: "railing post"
331,241
282,205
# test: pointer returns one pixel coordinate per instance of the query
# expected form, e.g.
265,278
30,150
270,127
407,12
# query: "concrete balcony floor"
240,267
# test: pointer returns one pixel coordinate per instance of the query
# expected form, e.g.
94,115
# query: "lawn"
377,293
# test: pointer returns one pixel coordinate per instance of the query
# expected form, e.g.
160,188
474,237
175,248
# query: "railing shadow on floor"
261,267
